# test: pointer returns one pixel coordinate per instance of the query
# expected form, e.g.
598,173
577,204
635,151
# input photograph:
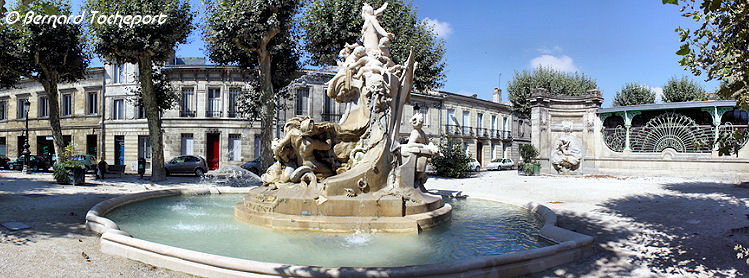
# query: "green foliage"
166,94
454,162
330,24
125,44
720,46
729,143
743,252
683,89
556,82
528,168
634,94
528,152
61,175
234,33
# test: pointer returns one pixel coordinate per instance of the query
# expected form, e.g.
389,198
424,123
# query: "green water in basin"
206,224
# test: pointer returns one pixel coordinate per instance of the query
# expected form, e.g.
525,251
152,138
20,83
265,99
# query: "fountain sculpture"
353,175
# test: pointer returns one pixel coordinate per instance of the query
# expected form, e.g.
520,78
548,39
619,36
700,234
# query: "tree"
45,53
683,89
330,24
719,46
145,45
260,37
453,162
556,82
634,94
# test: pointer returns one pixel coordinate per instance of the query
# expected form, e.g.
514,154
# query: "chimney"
475,96
497,96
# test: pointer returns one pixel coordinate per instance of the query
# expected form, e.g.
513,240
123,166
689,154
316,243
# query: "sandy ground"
643,227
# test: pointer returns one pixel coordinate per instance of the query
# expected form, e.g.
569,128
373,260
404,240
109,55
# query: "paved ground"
644,227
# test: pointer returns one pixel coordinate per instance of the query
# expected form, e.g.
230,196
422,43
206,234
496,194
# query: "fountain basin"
114,241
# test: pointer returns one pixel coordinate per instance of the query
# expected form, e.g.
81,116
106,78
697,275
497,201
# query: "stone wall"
577,119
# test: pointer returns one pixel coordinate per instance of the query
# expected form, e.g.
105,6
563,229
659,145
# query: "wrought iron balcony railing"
506,135
330,117
187,113
232,114
213,114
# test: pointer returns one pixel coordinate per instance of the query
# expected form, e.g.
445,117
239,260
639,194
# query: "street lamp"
26,152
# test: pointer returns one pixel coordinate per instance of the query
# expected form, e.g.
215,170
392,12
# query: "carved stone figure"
420,148
354,167
566,156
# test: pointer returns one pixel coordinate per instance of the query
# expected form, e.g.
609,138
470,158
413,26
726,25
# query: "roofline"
669,105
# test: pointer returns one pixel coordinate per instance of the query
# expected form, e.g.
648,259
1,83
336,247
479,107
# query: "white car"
474,165
500,164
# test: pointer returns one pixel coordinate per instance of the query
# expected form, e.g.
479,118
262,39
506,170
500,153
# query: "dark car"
4,162
36,163
252,166
186,164
89,161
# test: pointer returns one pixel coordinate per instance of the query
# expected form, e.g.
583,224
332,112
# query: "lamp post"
26,152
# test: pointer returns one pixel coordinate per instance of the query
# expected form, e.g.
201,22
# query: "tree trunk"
268,108
151,105
50,89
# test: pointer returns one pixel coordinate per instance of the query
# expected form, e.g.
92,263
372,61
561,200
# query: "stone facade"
497,135
80,126
209,116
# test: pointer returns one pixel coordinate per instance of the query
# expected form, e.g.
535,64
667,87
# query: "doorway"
479,152
212,150
91,148
119,150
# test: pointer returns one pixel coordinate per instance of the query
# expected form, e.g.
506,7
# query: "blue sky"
612,41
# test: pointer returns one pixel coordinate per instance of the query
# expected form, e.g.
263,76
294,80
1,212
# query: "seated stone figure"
305,144
566,156
419,145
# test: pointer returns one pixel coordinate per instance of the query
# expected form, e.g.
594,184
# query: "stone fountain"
353,175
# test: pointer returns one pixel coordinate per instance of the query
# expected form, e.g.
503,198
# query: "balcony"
232,114
452,130
467,131
187,114
213,114
506,135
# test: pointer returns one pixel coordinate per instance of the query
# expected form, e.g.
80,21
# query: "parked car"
500,164
474,165
36,163
4,162
186,164
88,161
253,166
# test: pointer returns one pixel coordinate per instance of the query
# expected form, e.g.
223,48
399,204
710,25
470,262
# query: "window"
43,107
465,149
479,120
141,110
187,144
67,105
233,101
187,102
425,112
119,74
118,110
466,122
144,147
451,121
92,101
494,152
3,147
213,109
257,145
3,109
302,100
235,147
21,108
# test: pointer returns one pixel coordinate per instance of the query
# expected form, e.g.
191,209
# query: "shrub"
61,175
454,162
528,152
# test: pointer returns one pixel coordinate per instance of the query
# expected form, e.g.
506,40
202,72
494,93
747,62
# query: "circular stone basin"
206,223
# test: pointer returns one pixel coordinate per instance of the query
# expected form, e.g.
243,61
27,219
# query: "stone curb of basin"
569,246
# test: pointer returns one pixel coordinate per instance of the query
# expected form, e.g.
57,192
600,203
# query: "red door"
212,151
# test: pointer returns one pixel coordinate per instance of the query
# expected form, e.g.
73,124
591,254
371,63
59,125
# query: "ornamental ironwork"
730,129
615,138
672,130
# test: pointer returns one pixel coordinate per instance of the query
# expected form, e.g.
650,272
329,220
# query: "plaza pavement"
644,226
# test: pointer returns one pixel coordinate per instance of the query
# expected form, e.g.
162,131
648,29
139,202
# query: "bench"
115,169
